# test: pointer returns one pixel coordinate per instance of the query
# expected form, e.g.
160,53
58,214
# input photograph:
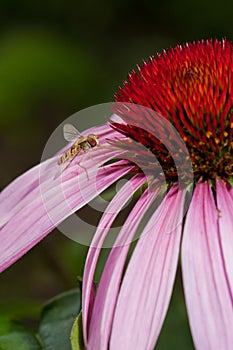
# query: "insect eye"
92,141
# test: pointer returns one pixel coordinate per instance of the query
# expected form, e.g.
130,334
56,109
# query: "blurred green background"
57,57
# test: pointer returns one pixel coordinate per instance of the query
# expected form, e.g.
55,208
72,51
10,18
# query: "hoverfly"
83,143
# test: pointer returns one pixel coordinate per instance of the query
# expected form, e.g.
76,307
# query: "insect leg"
79,164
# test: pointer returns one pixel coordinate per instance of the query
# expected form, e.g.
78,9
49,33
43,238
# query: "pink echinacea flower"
191,87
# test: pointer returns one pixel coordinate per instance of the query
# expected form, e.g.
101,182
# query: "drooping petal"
147,285
35,203
206,287
111,212
35,220
225,207
104,305
21,191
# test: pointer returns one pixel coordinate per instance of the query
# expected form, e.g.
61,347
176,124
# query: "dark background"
57,57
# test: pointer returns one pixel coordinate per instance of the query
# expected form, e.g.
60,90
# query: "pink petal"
147,285
111,212
102,314
35,203
208,297
225,207
34,221
23,188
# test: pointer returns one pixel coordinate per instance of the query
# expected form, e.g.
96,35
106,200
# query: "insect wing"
70,132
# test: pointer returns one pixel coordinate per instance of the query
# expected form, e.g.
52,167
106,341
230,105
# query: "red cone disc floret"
192,87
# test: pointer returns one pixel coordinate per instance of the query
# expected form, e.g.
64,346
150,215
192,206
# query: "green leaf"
58,317
14,336
231,181
77,335
19,340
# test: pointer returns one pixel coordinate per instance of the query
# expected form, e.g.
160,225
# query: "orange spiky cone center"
192,87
